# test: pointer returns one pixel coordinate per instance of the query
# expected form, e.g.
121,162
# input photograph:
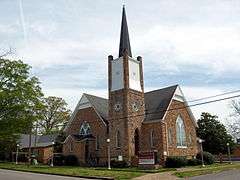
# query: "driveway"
225,175
16,175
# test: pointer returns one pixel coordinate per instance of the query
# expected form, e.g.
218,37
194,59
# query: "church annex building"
135,121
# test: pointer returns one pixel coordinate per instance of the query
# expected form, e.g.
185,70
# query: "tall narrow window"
152,140
97,142
170,138
118,139
71,147
180,130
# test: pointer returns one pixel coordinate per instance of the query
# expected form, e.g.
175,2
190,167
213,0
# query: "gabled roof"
41,141
157,102
100,104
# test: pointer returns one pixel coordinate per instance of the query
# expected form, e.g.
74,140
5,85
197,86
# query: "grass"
120,173
209,169
125,173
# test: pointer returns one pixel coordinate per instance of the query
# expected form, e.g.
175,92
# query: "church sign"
146,158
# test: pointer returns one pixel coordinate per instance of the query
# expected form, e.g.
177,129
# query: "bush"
119,164
176,162
194,162
58,160
208,158
71,160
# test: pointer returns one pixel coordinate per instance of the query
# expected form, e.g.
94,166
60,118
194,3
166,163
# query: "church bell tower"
126,98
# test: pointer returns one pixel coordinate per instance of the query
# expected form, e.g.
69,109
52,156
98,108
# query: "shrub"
71,160
194,162
58,160
176,162
208,158
118,164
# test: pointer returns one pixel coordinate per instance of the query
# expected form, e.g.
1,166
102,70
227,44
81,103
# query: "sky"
195,44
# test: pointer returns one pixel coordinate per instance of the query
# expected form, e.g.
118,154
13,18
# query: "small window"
152,139
118,139
85,129
170,137
71,147
97,143
180,130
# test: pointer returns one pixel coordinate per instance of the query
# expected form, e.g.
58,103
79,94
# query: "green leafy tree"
214,133
55,115
20,99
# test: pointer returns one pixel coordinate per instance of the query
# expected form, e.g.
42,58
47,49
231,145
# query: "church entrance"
136,141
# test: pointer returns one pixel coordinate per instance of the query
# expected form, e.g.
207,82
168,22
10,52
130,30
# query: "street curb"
56,174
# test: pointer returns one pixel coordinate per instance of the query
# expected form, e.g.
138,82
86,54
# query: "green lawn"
125,173
209,169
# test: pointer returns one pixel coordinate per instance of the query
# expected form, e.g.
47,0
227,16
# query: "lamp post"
200,142
17,154
109,158
52,154
229,154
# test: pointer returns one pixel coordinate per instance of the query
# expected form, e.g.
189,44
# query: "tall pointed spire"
124,37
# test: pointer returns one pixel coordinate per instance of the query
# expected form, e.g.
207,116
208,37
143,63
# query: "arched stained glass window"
180,130
85,129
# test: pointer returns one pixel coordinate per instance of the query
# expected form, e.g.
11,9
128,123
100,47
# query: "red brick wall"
98,128
236,151
170,120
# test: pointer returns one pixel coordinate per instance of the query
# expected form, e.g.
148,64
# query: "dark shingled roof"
156,103
100,104
124,37
41,141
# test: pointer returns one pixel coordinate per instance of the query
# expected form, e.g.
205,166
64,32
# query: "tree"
234,126
55,114
20,98
214,133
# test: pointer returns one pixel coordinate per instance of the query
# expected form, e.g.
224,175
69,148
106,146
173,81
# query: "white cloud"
72,96
215,47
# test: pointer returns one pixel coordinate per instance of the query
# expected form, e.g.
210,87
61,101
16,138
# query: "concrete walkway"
158,176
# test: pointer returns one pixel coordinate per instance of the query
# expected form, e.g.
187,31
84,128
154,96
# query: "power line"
193,105
208,97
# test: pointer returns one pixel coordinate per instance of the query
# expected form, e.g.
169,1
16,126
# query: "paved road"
15,175
225,175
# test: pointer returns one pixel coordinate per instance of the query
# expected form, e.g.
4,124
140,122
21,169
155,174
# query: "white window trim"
179,134
183,147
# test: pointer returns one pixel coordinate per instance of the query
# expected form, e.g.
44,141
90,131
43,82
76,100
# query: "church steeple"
124,37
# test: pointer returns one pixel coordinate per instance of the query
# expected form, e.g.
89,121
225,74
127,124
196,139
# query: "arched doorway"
136,141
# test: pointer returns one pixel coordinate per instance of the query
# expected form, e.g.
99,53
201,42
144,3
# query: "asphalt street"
225,175
15,175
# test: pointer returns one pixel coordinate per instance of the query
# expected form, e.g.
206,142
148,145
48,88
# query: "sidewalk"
158,176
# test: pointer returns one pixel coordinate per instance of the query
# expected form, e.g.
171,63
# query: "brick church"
135,121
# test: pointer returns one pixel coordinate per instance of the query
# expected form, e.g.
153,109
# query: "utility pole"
30,145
